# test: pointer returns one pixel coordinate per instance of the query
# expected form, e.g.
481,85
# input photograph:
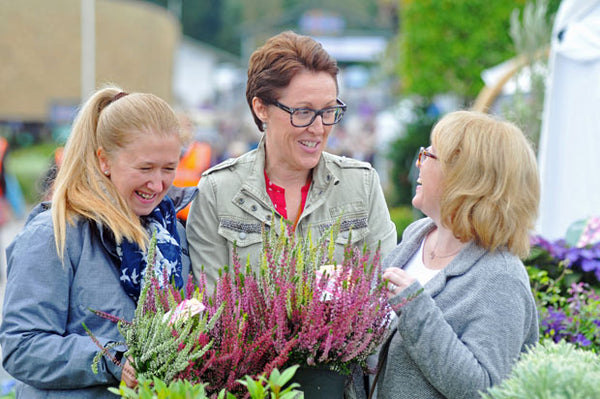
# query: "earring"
106,172
264,126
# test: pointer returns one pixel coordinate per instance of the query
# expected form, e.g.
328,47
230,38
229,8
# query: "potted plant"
298,308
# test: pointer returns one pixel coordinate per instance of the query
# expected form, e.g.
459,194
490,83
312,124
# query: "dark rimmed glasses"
302,117
423,154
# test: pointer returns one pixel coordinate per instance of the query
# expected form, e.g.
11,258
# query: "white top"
417,268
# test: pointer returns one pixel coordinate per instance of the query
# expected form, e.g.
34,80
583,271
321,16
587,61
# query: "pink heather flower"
186,309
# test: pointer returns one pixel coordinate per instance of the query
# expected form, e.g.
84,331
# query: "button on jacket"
232,205
44,344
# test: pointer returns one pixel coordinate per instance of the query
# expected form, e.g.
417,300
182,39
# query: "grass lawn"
29,165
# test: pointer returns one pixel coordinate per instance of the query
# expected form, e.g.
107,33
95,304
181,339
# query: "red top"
277,195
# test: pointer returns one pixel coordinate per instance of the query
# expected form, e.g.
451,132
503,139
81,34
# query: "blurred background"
403,64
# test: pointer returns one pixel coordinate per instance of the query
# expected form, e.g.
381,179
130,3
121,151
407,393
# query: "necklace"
433,255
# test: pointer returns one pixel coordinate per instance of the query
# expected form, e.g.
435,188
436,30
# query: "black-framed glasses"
302,117
423,154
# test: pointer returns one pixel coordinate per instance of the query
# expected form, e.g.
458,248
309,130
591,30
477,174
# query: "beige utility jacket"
232,204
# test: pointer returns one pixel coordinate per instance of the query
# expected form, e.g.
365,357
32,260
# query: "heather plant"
335,314
551,371
170,328
299,308
243,341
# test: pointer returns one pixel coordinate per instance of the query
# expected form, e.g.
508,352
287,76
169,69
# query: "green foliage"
570,313
29,165
403,152
551,371
446,44
156,388
258,388
402,216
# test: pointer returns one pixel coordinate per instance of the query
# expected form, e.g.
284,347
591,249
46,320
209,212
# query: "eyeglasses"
423,154
302,117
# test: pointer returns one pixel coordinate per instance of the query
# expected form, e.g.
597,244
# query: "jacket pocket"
353,218
243,232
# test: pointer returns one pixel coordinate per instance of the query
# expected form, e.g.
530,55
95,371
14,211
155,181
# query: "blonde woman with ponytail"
86,249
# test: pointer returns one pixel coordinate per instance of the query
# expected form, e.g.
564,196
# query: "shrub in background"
551,371
568,309
402,216
583,262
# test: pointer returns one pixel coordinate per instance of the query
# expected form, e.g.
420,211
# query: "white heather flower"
183,311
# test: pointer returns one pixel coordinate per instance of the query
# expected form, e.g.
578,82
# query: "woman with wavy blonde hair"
87,248
469,309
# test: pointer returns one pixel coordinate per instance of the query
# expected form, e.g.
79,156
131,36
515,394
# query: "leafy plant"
575,319
570,313
551,371
257,388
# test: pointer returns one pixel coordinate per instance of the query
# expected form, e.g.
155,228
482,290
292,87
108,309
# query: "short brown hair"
272,66
491,183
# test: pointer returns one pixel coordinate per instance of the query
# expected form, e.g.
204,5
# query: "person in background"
87,248
465,310
292,92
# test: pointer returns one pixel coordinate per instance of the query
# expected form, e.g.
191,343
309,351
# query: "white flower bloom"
183,311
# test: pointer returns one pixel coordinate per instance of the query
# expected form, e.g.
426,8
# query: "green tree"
446,44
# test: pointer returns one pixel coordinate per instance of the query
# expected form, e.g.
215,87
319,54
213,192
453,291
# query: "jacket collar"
323,178
182,196
461,264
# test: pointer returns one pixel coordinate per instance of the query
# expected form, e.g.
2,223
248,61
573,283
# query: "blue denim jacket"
44,344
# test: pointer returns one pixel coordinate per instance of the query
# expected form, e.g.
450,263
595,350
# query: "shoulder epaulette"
345,162
223,165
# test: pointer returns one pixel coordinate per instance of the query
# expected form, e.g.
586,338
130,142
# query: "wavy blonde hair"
491,183
110,119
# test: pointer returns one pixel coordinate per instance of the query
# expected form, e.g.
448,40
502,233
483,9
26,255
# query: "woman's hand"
397,279
128,374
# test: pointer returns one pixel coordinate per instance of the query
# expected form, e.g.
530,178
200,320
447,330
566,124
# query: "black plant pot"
320,382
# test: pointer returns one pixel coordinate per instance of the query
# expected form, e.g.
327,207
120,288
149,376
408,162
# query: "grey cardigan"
465,331
44,345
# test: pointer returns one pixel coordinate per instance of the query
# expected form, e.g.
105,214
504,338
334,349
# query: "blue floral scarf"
168,251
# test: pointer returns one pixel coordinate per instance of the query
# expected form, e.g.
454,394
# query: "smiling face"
143,170
297,149
429,187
